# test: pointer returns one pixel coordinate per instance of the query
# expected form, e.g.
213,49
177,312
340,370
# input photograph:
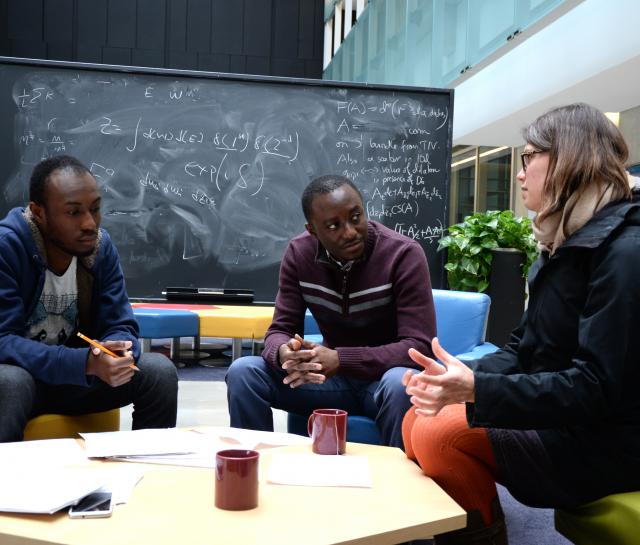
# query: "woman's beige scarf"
579,209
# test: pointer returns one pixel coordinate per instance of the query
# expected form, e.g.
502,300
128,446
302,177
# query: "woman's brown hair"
585,148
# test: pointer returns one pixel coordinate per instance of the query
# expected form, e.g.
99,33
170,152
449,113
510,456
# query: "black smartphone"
95,505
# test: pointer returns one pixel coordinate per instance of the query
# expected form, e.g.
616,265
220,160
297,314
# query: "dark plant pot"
507,292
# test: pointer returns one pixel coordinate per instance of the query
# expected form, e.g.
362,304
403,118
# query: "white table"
174,505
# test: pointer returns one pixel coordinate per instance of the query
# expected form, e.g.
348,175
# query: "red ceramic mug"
328,429
237,479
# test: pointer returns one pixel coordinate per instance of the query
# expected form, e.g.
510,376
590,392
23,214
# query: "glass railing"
429,43
328,8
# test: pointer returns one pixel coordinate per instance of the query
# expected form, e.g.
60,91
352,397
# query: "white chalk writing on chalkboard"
202,177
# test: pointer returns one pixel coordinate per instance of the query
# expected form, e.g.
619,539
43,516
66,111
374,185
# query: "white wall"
590,54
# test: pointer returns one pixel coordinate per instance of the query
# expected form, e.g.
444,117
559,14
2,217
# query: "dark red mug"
328,430
237,479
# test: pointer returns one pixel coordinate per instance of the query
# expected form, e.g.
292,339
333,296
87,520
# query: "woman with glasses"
554,415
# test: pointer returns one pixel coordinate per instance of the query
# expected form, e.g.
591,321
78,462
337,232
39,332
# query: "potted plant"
492,252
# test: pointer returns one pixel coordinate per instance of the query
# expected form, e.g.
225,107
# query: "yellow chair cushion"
238,322
612,520
59,426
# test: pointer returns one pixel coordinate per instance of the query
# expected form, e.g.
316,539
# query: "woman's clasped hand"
439,384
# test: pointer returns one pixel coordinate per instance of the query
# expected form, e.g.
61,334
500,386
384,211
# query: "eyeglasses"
526,157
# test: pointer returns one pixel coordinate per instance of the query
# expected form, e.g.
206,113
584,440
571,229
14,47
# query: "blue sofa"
461,319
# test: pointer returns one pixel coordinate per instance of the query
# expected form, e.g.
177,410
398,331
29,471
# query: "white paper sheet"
204,455
34,490
139,442
251,439
184,460
50,453
45,476
206,441
122,482
319,470
194,448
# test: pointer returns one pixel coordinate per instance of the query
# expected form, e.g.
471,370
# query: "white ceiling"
590,54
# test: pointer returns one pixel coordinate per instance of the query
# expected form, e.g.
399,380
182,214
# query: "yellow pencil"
103,348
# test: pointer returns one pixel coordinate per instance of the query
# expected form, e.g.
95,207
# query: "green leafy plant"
470,246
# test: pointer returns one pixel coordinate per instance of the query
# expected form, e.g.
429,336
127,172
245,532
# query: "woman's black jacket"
571,370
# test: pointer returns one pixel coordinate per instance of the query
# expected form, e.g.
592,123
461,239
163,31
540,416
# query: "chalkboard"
201,173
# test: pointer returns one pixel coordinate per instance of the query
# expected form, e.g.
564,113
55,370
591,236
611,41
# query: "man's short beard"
71,252
84,254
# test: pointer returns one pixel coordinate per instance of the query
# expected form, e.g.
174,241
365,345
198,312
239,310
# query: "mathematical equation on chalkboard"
209,171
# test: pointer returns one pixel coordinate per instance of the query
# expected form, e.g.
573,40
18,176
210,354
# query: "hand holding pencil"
116,370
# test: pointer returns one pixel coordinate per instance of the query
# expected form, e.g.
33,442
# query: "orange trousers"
459,458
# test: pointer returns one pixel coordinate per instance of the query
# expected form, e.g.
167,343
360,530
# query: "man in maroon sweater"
369,290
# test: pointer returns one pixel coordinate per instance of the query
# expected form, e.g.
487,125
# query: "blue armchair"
461,319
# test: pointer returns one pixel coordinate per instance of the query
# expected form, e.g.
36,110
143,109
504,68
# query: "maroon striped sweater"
371,314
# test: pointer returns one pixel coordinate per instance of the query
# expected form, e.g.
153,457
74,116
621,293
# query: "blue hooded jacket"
104,311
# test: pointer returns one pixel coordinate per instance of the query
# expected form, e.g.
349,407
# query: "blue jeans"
253,387
153,392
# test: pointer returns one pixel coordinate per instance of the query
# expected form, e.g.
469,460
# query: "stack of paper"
50,453
46,476
138,443
194,448
34,490
121,483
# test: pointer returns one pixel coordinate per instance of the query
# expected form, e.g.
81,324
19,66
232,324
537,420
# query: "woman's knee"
407,426
433,438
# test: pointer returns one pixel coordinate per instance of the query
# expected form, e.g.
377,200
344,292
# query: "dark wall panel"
313,68
238,64
28,48
91,28
177,27
227,25
5,44
121,23
25,19
258,65
285,28
318,33
183,60
213,62
89,53
148,57
150,24
62,51
199,26
264,37
58,21
293,68
306,24
257,27
116,55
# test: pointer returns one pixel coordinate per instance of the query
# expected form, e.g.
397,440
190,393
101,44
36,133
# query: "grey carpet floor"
528,525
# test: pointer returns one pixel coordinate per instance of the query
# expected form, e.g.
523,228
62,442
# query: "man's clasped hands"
439,384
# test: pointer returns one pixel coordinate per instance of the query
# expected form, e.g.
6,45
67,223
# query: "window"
481,180
463,175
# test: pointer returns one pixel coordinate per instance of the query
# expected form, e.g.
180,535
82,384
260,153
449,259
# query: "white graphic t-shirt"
54,317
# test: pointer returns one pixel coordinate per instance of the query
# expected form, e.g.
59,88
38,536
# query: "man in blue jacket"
60,274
